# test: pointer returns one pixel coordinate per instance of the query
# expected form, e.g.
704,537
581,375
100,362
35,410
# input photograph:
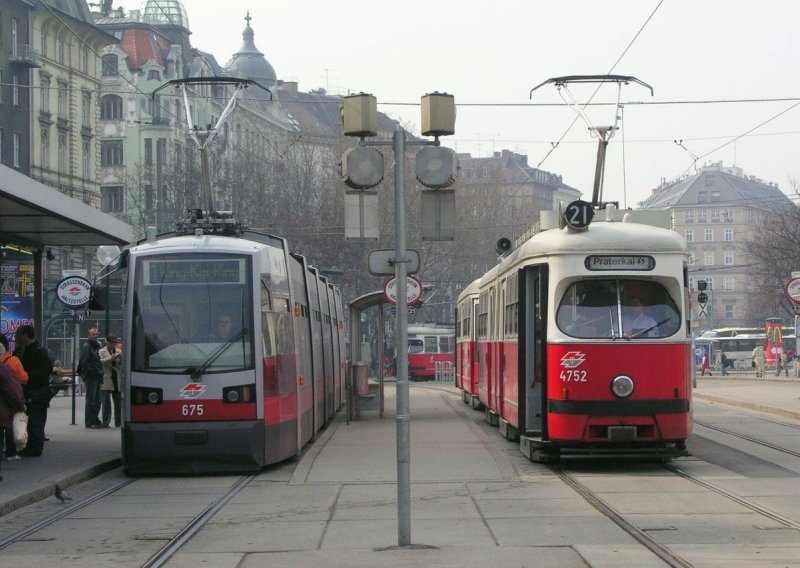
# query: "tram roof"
472,289
206,242
601,237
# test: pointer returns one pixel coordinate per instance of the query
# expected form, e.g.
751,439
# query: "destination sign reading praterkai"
620,262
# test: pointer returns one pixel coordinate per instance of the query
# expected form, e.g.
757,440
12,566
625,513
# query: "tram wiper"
197,372
652,327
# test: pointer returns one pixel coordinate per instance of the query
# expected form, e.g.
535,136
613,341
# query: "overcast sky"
490,54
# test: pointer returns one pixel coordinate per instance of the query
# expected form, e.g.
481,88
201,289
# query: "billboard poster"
16,291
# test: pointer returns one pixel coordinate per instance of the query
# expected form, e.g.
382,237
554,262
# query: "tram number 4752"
192,409
573,376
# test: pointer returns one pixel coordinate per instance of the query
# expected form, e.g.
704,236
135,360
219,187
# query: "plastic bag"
20,427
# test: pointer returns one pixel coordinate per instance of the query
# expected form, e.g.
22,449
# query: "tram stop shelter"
366,357
35,216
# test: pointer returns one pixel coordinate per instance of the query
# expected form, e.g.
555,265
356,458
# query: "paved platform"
73,454
458,474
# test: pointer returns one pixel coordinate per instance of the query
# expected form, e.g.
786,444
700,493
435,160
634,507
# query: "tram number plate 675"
573,376
192,410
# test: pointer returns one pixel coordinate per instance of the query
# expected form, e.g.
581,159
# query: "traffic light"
701,285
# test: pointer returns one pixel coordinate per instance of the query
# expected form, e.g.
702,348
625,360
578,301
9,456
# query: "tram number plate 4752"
573,376
192,409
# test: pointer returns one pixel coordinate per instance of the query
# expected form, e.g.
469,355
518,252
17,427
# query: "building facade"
18,60
715,210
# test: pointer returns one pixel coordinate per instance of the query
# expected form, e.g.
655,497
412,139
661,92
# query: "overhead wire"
630,44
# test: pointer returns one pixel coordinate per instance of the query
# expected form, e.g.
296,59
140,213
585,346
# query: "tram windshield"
192,314
619,309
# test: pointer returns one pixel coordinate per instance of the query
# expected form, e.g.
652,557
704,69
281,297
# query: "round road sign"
74,291
793,290
413,289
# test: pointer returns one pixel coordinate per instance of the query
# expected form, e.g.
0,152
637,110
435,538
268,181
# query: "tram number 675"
192,410
573,376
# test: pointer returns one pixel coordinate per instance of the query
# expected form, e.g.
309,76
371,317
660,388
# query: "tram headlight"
152,397
622,386
232,395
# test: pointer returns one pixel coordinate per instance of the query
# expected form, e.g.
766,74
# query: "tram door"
533,339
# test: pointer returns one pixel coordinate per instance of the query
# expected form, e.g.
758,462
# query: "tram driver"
635,322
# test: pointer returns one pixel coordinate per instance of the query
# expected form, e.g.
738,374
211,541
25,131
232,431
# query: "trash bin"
361,378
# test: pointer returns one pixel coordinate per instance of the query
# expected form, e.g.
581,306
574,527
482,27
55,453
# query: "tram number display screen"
620,262
206,271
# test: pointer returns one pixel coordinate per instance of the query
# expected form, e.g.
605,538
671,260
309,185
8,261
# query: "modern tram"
582,339
234,353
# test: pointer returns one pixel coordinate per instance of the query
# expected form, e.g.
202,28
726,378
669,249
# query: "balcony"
25,56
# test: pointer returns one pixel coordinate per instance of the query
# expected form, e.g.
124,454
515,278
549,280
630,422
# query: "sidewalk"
73,454
779,396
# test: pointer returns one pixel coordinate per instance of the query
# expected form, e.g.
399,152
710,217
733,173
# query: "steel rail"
194,526
749,438
21,534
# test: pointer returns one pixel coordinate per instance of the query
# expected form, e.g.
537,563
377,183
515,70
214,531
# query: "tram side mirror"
97,298
503,246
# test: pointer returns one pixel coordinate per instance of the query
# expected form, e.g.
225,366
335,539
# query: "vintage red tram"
466,360
233,354
429,346
583,340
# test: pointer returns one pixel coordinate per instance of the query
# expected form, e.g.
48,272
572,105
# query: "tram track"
749,438
63,513
196,524
166,552
661,551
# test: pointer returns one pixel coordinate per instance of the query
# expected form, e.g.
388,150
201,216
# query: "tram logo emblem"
573,359
192,390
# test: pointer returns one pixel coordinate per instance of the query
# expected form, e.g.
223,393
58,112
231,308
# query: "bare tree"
774,250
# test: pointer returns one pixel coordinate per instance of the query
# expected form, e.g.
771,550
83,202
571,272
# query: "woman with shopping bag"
11,398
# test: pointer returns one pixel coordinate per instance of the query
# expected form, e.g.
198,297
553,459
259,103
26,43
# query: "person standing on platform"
12,399
36,362
759,360
111,358
91,371
15,365
783,361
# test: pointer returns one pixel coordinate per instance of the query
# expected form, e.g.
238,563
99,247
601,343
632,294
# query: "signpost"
413,289
74,292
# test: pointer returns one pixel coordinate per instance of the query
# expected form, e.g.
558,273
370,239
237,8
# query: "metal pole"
403,417
75,339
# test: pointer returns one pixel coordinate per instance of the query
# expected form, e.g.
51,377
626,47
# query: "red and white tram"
466,360
234,354
429,346
583,341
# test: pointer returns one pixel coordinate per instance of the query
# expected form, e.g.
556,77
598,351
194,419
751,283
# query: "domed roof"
249,63
165,12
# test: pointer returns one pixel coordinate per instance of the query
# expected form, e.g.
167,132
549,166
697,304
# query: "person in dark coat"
11,398
36,362
92,374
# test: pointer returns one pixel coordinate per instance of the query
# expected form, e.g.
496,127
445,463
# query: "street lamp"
359,119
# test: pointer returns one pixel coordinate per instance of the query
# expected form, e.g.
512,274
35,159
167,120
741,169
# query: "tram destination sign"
194,271
619,262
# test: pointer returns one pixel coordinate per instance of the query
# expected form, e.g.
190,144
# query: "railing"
444,371
25,55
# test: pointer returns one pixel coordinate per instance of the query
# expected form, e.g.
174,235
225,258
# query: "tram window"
446,344
592,309
416,346
431,345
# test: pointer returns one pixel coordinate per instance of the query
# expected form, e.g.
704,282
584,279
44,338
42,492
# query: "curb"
749,405
48,490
